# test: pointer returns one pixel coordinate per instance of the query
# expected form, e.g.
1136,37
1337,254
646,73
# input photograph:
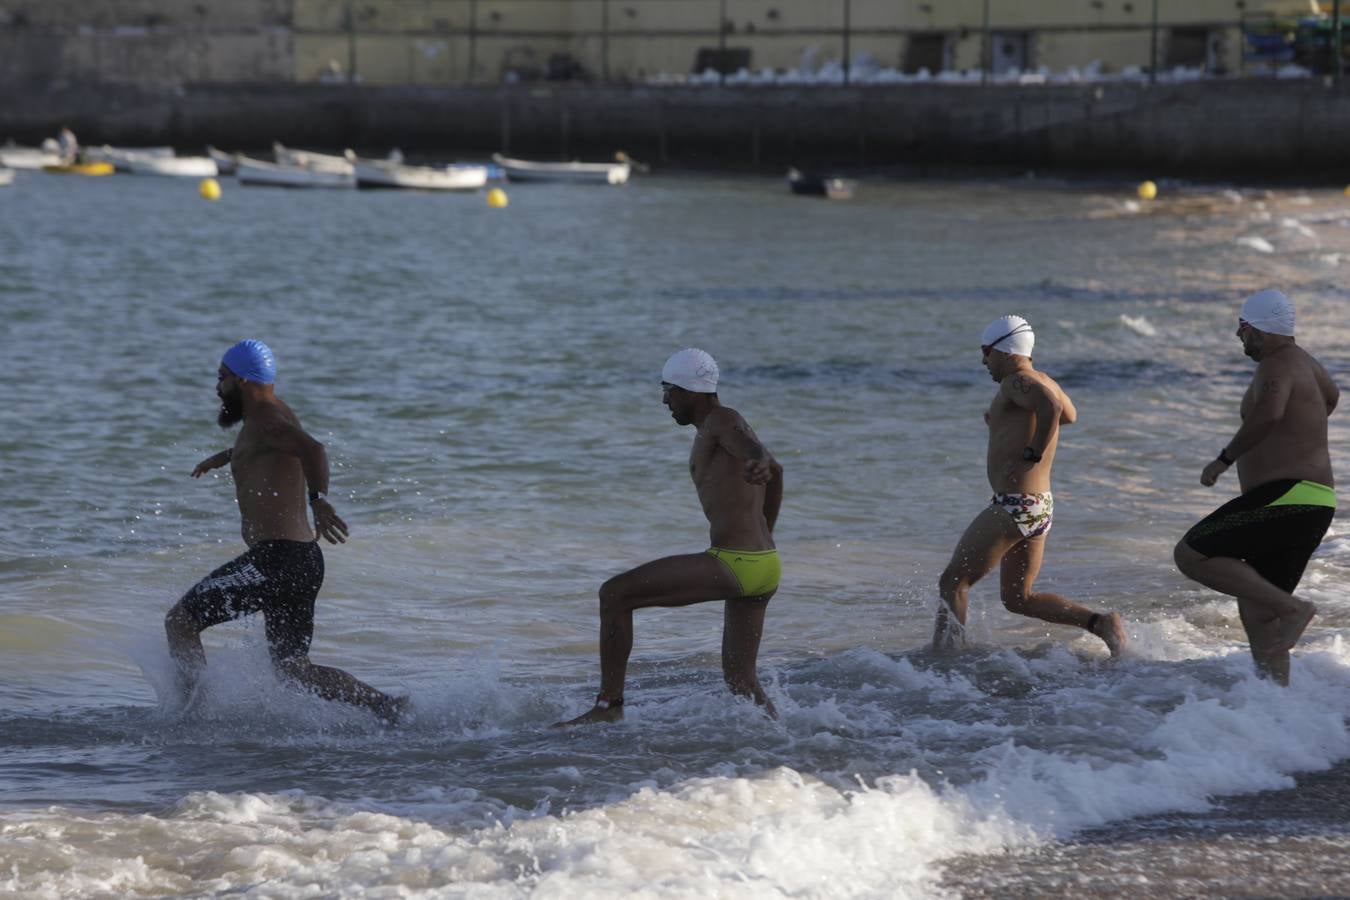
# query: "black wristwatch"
316,495
1223,457
1031,455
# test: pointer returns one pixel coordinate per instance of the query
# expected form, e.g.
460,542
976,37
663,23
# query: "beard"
231,410
1252,348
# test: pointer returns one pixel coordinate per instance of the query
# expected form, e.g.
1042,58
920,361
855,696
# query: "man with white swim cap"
740,486
272,460
1256,547
1010,532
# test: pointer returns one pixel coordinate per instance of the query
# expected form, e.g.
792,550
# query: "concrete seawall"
1296,129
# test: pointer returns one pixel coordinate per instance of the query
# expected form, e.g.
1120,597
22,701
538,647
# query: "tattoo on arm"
1269,385
1022,384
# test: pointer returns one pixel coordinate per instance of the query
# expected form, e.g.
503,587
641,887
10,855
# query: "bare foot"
596,714
1111,629
1290,628
949,634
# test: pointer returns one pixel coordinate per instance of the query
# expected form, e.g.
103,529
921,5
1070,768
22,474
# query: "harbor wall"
1291,129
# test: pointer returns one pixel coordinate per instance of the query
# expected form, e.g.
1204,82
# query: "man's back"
734,507
1296,445
269,485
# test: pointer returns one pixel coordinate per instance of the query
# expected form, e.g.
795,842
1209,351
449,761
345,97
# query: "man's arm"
733,435
214,461
1031,394
283,437
773,495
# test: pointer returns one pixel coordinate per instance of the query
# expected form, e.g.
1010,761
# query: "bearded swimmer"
273,461
1010,532
1256,547
740,486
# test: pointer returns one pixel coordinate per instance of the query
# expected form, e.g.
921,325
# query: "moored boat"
121,157
390,173
13,156
6,177
172,166
580,172
319,162
226,163
810,184
90,168
264,174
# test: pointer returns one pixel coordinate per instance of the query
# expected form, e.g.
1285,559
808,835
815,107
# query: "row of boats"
293,168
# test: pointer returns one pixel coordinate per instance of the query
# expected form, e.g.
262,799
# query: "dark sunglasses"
985,348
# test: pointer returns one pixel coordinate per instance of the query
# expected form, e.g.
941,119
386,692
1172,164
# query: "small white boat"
320,162
122,157
172,166
582,172
391,173
6,176
266,174
12,156
226,163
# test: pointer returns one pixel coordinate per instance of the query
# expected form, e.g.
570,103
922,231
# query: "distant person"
68,147
1256,547
1024,422
273,461
740,486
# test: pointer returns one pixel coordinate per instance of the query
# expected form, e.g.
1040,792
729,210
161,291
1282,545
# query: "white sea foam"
775,833
1259,244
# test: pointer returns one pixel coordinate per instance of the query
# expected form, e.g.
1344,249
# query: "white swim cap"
692,370
1010,334
1269,311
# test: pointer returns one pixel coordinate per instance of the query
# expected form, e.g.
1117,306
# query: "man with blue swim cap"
273,461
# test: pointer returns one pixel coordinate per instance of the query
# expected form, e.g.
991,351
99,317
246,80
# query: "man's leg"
670,581
1261,637
1236,578
989,536
335,684
742,628
185,647
1017,576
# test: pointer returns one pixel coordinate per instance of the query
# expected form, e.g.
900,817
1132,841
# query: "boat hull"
264,174
573,172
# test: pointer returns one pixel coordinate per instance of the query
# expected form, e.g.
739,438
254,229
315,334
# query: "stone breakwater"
1263,127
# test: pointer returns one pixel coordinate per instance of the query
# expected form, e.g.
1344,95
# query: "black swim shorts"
279,579
1274,527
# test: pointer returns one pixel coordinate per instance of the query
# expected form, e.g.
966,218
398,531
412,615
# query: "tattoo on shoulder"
1022,384
1270,384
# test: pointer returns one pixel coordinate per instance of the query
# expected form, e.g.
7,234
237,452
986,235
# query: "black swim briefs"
1274,527
280,579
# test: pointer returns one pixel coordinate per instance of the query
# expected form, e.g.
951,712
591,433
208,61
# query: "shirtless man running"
272,460
1256,547
741,488
1023,422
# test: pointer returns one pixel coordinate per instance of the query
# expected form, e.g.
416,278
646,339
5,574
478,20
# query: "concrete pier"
1290,129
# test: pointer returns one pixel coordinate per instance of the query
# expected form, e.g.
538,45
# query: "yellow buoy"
497,198
209,189
1347,190
1147,190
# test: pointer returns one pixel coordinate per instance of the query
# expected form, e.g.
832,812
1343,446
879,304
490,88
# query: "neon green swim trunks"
756,571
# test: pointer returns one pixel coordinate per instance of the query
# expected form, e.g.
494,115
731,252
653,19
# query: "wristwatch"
1031,455
316,495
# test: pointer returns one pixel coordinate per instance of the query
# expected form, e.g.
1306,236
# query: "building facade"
166,43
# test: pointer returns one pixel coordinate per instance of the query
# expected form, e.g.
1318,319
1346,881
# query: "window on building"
1191,48
927,51
727,62
1010,50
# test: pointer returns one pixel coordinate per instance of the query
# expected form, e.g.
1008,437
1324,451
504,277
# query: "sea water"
487,385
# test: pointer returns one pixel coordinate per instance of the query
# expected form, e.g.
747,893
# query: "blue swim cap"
251,360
